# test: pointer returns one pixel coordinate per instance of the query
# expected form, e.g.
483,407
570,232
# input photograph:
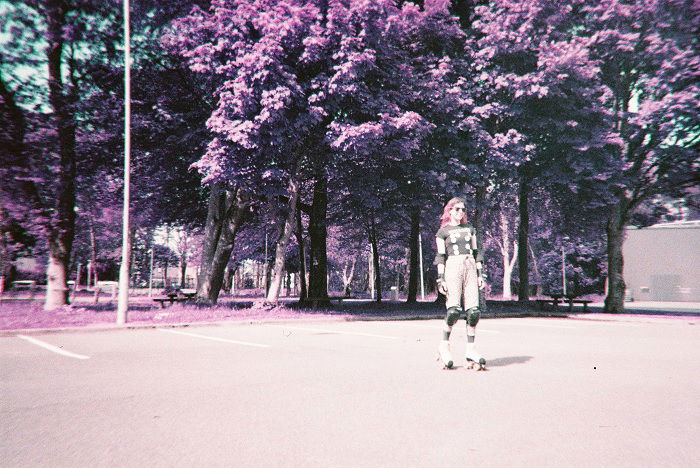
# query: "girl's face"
457,213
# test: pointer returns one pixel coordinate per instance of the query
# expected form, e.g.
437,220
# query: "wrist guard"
439,259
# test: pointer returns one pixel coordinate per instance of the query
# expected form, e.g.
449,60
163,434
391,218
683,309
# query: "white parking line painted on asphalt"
214,338
337,332
52,348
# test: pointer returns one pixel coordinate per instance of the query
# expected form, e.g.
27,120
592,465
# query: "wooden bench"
584,302
556,300
26,284
31,284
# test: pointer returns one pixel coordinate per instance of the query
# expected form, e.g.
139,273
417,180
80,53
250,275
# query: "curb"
596,317
144,326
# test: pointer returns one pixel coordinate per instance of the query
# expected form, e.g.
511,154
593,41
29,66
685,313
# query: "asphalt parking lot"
558,392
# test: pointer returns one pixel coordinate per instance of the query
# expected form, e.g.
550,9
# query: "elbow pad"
439,259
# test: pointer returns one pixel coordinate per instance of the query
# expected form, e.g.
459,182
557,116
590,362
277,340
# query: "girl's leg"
453,280
471,304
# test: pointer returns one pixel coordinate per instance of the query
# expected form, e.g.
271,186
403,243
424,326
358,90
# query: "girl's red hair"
445,219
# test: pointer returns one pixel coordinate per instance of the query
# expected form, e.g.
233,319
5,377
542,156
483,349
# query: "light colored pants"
461,282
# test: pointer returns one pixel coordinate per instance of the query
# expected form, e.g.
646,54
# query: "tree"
263,58
501,227
398,84
648,59
535,70
298,83
72,132
51,192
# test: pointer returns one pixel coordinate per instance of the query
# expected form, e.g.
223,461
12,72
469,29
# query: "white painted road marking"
52,348
214,338
323,330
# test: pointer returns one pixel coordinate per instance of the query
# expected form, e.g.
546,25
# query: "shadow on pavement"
507,361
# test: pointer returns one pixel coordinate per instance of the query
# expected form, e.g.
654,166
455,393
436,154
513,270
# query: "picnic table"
31,284
174,297
556,299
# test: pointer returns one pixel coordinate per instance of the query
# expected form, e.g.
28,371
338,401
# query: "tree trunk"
318,270
536,270
283,241
370,273
229,277
4,256
236,204
374,243
508,261
480,199
348,276
183,270
150,268
617,220
61,229
166,282
523,229
302,256
508,265
414,268
93,250
183,246
212,234
57,284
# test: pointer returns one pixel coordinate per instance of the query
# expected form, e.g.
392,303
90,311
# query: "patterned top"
458,239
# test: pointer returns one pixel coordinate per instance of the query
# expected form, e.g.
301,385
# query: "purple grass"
15,315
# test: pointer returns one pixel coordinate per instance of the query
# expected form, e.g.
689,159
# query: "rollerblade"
444,355
475,359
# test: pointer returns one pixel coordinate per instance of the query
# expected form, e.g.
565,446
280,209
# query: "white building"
662,262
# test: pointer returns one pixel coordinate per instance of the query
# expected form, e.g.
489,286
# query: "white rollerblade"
445,355
474,358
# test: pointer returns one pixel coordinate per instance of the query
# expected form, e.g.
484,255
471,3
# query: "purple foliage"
261,54
650,69
394,102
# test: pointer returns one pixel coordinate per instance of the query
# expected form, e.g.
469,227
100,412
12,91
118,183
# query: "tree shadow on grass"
109,307
507,361
221,304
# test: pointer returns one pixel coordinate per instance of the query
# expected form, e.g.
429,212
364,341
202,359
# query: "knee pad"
453,314
473,316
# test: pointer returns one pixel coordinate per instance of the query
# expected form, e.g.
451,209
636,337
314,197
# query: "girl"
459,278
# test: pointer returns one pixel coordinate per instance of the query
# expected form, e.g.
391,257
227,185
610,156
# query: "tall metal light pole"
123,302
